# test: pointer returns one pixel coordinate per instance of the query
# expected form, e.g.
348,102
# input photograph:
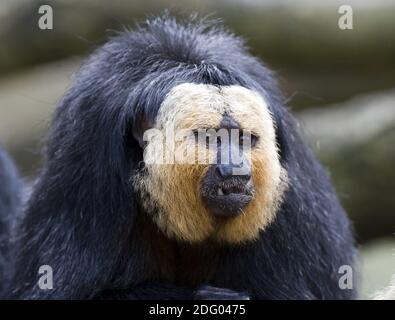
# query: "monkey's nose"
226,171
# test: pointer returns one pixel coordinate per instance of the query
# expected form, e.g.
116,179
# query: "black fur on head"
85,220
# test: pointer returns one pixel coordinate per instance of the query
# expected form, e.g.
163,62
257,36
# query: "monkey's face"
212,168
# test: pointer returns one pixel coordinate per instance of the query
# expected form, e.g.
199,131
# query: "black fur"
84,220
10,192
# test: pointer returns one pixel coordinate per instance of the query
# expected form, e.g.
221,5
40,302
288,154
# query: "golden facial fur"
172,189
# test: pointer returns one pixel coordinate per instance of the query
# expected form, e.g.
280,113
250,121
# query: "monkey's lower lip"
227,204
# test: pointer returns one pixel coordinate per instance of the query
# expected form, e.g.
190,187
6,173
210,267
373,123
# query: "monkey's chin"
228,205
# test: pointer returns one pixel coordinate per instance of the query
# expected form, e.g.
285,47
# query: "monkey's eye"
246,138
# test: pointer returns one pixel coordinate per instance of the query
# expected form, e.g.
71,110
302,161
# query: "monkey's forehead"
192,105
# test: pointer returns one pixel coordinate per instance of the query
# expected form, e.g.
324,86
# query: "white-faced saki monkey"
115,214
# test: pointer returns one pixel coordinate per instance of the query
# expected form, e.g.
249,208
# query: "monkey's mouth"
227,198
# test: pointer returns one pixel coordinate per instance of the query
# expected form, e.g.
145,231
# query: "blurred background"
339,83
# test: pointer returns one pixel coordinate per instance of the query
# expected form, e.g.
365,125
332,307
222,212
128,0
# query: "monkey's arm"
165,291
